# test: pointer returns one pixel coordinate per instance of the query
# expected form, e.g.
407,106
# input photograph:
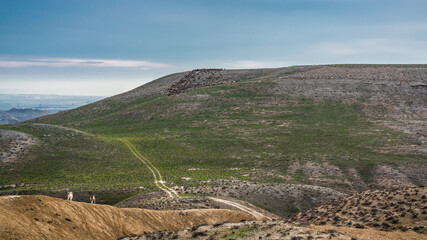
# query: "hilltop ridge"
15,115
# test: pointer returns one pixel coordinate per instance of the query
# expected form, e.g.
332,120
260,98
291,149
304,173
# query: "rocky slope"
211,77
12,144
277,230
399,92
401,209
388,214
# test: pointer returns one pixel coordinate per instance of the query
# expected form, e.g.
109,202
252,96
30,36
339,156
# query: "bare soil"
42,217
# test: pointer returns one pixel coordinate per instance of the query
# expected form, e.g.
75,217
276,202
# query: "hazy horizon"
49,102
102,48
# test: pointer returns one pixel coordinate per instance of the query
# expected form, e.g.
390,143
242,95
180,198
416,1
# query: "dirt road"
158,179
61,127
160,183
241,208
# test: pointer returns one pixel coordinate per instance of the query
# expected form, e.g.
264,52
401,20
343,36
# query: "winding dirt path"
240,207
160,183
158,179
61,127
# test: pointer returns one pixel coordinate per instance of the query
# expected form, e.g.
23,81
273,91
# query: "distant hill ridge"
16,115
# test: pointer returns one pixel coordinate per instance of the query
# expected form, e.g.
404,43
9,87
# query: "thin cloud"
400,28
408,48
77,62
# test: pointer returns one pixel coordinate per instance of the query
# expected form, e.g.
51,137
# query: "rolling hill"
307,134
15,115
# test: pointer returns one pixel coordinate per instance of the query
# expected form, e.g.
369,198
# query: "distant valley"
16,108
15,115
53,103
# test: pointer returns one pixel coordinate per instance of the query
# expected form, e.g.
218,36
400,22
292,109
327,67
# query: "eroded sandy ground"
42,217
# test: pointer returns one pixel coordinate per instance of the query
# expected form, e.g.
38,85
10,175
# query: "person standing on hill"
69,196
92,199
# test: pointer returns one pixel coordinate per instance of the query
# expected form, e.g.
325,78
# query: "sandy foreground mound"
42,217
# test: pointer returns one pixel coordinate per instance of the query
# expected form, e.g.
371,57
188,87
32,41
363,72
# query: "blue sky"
107,47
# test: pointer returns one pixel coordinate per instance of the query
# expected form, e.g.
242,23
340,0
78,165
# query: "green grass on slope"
238,130
66,159
228,131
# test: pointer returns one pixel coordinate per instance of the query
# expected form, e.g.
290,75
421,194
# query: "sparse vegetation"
387,210
247,126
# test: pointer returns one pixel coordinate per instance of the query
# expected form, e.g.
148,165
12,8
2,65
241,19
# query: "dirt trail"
42,217
240,207
61,127
158,179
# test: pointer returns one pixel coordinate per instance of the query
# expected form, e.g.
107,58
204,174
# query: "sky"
105,47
